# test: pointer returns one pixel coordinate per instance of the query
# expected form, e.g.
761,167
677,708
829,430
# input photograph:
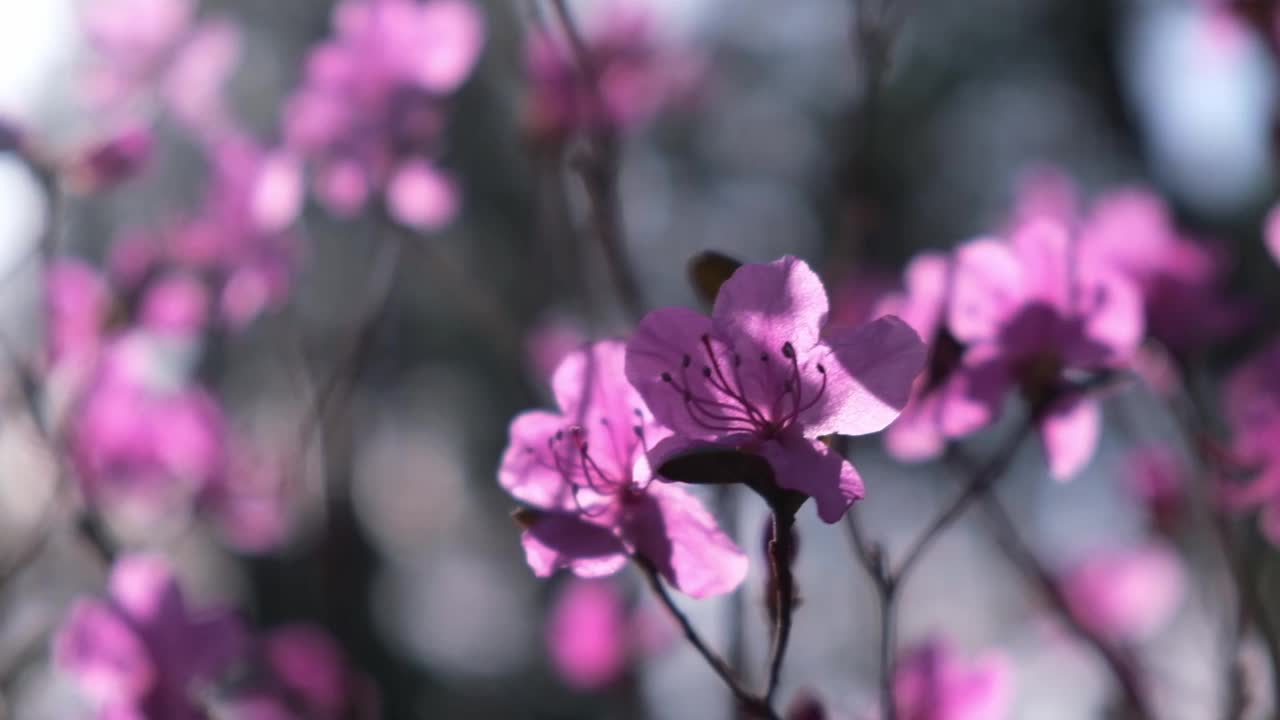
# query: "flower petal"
810,467
656,350
1069,432
529,469
869,371
987,286
772,304
669,527
109,661
561,540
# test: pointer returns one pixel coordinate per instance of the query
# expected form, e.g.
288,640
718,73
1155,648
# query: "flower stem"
1121,664
781,550
749,701
598,169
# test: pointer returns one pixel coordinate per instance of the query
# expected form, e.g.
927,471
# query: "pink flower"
1126,595
370,110
148,50
1252,409
78,303
759,376
593,638
1038,316
1182,281
635,78
110,161
313,677
136,437
1157,478
143,652
1271,232
932,682
918,433
585,471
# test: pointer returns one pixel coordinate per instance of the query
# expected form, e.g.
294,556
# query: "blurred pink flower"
1250,477
918,433
1157,479
156,50
586,474
932,682
142,652
370,109
759,376
1036,315
1126,595
110,161
313,677
593,637
78,304
855,297
635,77
137,438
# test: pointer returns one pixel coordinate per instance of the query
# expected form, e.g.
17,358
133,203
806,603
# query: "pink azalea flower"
1252,409
110,161
370,110
636,78
593,638
759,376
1157,478
918,433
931,681
313,677
143,652
1271,232
138,439
585,471
1126,595
1182,281
1036,315
149,50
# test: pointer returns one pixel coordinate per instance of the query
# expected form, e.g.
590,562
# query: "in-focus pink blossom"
586,474
371,107
759,376
142,652
932,681
1038,316
634,77
1126,595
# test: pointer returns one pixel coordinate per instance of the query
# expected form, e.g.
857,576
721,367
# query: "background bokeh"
795,141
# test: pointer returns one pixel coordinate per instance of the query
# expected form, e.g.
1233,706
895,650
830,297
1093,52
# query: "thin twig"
598,169
781,548
1121,664
748,700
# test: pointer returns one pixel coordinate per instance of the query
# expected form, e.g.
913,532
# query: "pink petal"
344,187
452,35
196,79
658,345
421,196
987,287
810,467
1272,232
669,526
561,540
1047,261
145,588
1126,595
921,305
109,661
768,305
276,198
529,468
917,433
1112,308
308,662
176,304
1069,432
585,634
870,370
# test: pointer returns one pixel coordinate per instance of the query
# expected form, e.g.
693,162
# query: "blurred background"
853,133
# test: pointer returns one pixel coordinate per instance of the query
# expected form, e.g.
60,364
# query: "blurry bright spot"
1204,95
462,613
